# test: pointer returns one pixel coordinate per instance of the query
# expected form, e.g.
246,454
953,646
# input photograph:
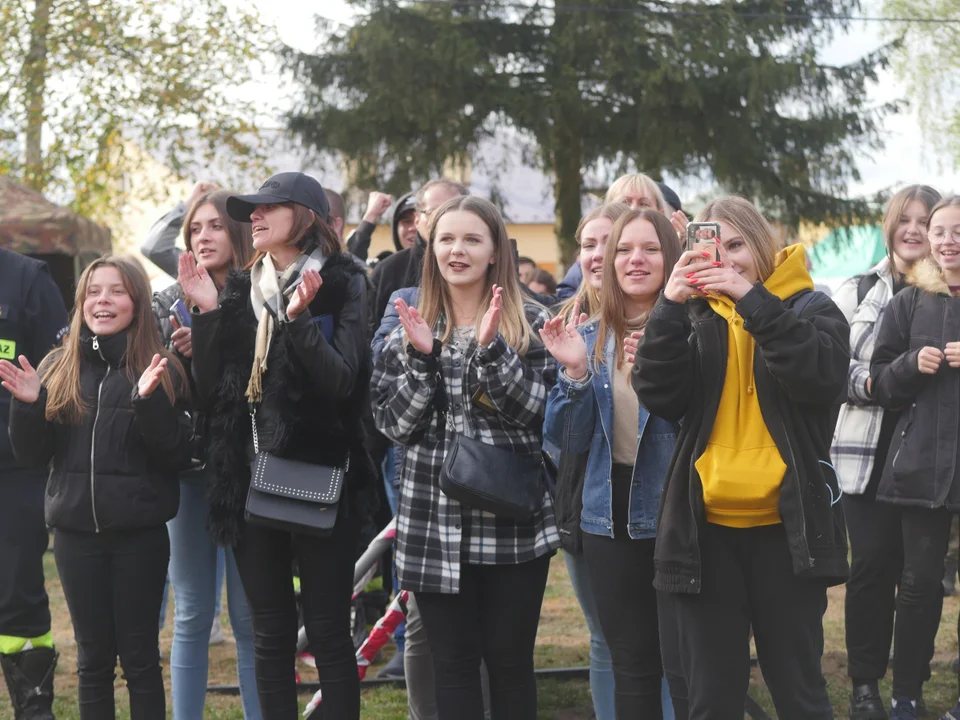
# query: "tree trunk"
35,81
567,190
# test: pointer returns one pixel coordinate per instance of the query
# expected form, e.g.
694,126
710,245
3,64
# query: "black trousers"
747,579
876,564
265,560
926,534
494,617
113,583
621,573
24,608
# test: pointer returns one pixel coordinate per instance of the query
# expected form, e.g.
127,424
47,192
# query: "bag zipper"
93,439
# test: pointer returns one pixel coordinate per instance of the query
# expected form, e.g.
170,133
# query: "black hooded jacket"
118,468
359,241
315,388
800,368
923,463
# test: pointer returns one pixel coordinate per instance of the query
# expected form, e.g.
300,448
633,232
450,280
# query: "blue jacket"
579,418
391,318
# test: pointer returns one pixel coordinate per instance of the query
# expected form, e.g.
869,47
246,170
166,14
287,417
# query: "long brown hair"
308,231
241,237
435,303
586,295
613,306
61,369
756,231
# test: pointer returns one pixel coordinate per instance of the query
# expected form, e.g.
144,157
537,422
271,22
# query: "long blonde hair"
757,233
61,368
586,295
639,183
613,305
435,304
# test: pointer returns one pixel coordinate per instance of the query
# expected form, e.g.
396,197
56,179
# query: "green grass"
562,642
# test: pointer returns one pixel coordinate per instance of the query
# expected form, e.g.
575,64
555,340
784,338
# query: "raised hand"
377,205
182,340
929,360
723,279
196,283
23,384
151,376
306,291
490,324
680,222
682,283
566,346
200,189
418,332
630,345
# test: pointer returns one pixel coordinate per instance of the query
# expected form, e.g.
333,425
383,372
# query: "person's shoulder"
14,262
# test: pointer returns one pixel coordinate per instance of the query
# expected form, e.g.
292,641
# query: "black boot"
866,703
29,676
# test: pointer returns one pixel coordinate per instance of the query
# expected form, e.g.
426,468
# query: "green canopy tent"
846,252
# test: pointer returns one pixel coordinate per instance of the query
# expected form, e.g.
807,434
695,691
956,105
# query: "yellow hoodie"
741,468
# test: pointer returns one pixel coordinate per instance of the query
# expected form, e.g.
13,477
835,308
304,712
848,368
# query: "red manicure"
706,254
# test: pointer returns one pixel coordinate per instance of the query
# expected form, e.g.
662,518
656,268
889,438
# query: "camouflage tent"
31,224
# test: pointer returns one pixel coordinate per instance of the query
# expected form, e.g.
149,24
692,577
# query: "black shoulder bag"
293,495
487,477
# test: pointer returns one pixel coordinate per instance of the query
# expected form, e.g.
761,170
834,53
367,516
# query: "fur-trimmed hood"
927,276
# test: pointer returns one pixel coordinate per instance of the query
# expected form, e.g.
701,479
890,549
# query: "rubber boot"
29,676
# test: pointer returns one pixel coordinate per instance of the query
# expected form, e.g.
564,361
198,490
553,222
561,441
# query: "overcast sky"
906,158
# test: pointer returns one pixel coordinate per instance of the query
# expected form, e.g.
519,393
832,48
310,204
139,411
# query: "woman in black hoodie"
289,338
115,444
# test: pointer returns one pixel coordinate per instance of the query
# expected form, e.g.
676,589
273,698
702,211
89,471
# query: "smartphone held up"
180,315
704,237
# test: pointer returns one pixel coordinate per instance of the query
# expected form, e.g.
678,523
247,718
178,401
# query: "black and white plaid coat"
436,535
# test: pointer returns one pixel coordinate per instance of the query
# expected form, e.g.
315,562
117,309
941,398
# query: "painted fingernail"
717,264
690,275
706,254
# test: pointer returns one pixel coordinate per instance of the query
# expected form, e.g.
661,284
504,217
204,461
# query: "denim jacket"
579,418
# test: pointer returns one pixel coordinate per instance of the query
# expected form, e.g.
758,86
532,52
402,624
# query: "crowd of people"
711,440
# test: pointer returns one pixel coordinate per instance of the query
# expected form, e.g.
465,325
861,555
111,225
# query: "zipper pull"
96,343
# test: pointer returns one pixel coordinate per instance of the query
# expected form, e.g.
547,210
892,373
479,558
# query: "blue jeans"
601,665
391,485
193,573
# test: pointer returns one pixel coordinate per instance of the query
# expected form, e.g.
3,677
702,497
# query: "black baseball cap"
284,187
406,205
673,200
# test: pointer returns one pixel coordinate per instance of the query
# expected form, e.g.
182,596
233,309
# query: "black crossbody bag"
293,495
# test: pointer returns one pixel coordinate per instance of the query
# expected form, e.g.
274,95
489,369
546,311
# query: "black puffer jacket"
800,369
315,390
117,469
922,466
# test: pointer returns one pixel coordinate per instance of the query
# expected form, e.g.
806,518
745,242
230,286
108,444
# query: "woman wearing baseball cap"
288,337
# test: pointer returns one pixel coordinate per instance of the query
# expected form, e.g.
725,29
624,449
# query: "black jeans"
113,583
926,534
747,579
621,573
876,563
494,617
265,560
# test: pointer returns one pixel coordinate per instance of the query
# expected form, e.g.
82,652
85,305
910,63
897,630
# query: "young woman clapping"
594,409
467,361
102,412
287,341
